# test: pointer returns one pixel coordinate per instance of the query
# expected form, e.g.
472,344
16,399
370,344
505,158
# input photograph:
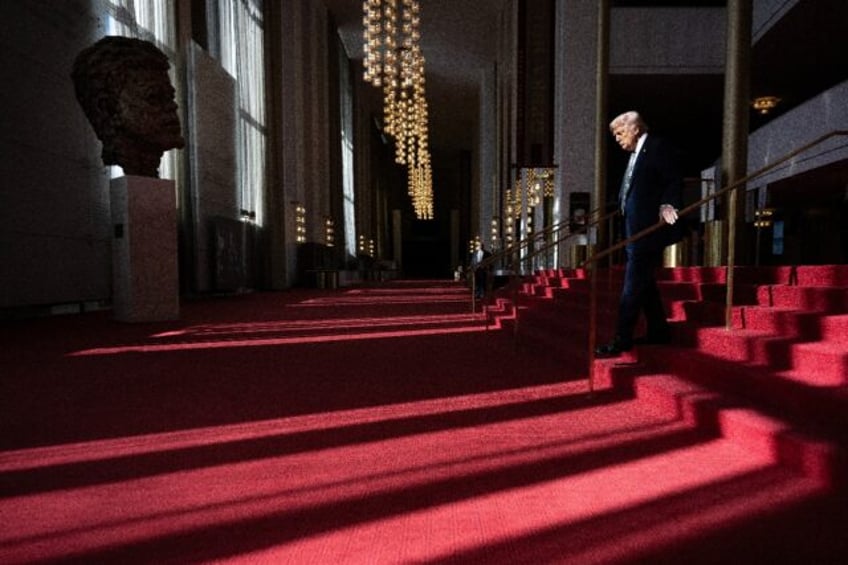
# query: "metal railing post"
473,290
593,324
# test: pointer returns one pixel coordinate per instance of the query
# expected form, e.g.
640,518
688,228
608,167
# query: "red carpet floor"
365,426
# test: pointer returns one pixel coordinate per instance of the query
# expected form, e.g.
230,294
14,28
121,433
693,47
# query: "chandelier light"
394,62
421,191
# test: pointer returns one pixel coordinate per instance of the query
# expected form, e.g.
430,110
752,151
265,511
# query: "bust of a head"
123,87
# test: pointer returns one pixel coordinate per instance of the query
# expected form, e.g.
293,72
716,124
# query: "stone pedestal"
145,284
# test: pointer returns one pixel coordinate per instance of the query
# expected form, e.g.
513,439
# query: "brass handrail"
510,252
506,252
502,254
651,229
515,248
523,243
583,228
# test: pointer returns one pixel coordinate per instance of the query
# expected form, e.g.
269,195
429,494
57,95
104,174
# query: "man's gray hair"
631,118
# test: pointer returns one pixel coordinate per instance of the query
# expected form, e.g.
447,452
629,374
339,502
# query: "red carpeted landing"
366,425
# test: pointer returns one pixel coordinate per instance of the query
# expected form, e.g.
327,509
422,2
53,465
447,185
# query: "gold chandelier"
393,61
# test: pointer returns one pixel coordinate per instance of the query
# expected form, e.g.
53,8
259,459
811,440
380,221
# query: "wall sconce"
366,246
765,104
329,232
495,231
508,218
300,222
763,217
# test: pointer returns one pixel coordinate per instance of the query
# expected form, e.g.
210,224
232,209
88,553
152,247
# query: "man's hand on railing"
668,213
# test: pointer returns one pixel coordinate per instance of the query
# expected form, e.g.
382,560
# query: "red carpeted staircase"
389,424
777,381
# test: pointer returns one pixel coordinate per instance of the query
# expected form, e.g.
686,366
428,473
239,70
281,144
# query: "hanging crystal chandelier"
393,62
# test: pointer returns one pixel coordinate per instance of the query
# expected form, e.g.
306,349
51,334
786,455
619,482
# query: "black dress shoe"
613,349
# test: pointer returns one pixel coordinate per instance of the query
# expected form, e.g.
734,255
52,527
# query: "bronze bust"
123,87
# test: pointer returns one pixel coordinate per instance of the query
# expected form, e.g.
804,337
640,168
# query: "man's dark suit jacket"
657,179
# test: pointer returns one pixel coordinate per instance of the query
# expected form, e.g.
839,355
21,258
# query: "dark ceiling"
803,54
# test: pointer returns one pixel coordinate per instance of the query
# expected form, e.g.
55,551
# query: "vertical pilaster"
580,107
275,250
485,200
535,79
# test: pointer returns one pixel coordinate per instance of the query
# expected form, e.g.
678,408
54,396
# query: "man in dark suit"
651,191
481,274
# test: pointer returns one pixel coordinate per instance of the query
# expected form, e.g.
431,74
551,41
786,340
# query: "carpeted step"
698,313
566,297
830,299
679,398
677,290
821,410
670,290
742,274
572,273
739,345
834,328
552,281
743,293
786,355
822,275
821,364
730,417
552,328
806,275
499,311
568,347
791,322
800,452
693,274
788,322
763,275
815,363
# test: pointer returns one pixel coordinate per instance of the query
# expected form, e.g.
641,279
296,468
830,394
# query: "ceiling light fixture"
765,104
393,62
